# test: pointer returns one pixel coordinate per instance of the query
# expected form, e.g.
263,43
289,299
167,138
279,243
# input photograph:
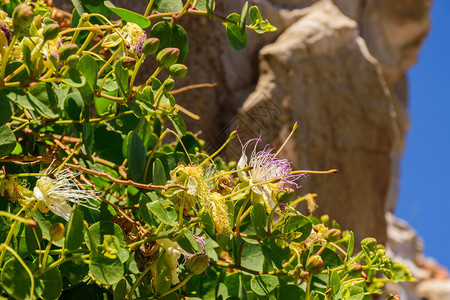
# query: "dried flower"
56,193
172,252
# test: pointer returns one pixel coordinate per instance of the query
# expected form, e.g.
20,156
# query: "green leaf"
26,239
158,211
7,140
335,282
263,285
45,223
275,253
208,5
22,76
121,77
128,15
291,292
74,78
105,269
73,106
144,212
74,230
236,38
353,293
162,6
5,109
15,279
252,257
258,216
351,245
120,290
49,285
254,15
102,228
159,173
88,67
329,257
136,156
108,144
179,124
297,228
171,37
188,243
74,271
88,139
243,18
41,107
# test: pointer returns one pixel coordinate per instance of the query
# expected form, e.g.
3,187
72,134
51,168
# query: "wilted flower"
266,167
57,192
172,252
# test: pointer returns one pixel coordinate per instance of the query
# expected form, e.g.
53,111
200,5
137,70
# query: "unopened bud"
168,84
370,243
22,16
285,196
314,264
178,71
31,223
128,62
198,263
325,219
332,235
354,269
50,32
67,50
150,46
167,57
57,232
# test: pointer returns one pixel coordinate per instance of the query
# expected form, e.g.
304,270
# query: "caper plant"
96,199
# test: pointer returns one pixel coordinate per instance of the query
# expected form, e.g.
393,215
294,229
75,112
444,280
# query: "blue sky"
425,172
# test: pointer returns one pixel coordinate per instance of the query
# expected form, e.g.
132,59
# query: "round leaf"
106,270
263,285
7,140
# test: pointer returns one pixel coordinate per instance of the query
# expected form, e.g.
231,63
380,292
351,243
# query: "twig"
144,186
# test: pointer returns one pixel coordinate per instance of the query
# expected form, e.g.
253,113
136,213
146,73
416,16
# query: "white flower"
56,193
265,168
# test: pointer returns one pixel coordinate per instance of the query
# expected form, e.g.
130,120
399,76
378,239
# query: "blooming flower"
265,167
56,193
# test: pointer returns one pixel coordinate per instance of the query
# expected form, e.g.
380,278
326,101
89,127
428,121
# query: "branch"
34,159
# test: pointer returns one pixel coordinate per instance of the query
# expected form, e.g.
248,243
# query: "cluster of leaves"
164,219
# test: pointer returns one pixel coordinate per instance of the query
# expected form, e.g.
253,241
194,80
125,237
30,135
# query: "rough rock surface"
404,246
338,67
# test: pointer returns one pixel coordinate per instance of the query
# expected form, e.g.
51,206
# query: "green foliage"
97,200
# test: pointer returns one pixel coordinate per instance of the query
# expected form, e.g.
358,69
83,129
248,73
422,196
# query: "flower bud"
370,243
167,57
50,32
67,50
355,269
178,70
314,264
128,62
168,84
57,232
198,263
325,219
150,46
285,196
332,235
72,61
22,16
